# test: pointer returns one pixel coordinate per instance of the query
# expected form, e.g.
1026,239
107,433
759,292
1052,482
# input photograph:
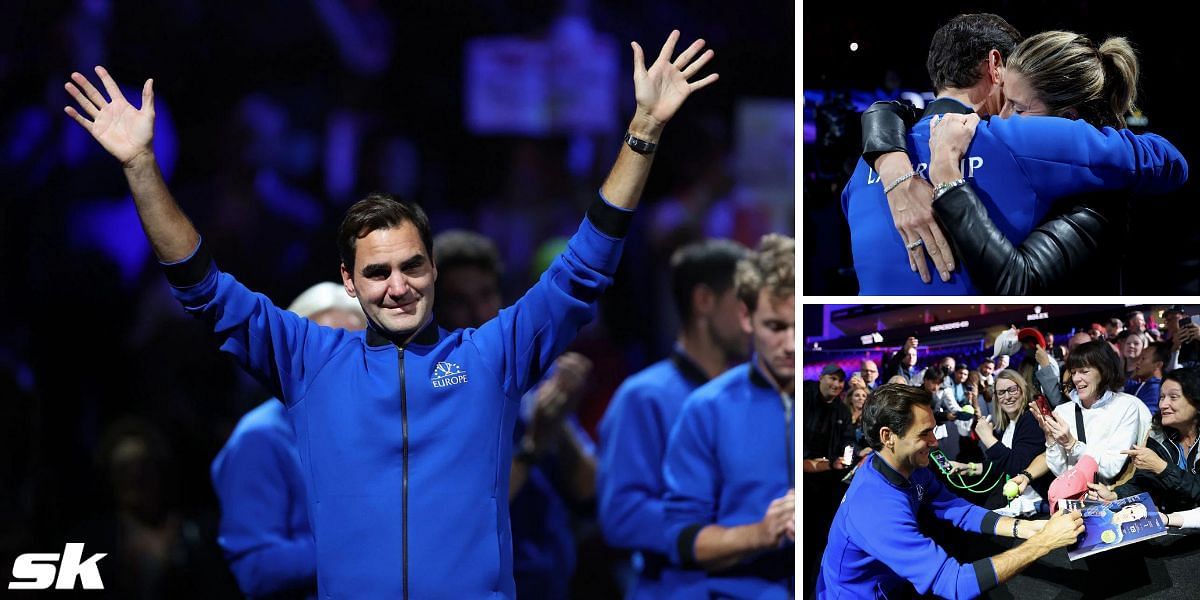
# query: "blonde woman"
1012,440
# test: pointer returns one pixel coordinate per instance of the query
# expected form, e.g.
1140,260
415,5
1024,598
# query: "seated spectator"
1098,420
1166,464
1147,374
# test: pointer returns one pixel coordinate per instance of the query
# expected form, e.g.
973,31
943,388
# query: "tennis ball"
1011,490
968,409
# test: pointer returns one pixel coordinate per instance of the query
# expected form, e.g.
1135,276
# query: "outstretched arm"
660,91
127,133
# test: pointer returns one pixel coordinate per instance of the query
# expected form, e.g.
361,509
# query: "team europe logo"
446,374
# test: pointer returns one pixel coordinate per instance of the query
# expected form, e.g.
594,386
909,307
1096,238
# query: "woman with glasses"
1012,443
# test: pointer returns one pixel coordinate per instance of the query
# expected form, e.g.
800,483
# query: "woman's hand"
1099,491
949,136
1145,459
983,428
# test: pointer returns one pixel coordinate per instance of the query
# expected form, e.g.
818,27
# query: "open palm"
661,89
125,132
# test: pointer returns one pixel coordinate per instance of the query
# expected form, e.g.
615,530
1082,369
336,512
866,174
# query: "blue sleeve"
1061,157
692,473
279,348
255,494
1028,442
949,507
522,342
629,480
890,534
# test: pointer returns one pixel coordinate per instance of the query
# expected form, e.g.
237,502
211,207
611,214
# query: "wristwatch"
639,145
946,186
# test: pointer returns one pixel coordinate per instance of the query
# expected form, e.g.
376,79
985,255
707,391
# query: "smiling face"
393,279
858,397
1132,346
1009,397
1019,97
1087,383
831,385
912,449
1177,412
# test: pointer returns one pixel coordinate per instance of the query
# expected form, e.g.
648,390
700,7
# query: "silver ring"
913,246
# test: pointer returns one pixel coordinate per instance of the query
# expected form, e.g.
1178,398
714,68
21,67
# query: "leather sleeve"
884,127
1051,252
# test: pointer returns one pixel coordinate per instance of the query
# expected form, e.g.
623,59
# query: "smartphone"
1043,404
941,461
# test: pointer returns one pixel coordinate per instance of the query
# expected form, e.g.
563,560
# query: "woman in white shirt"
1111,421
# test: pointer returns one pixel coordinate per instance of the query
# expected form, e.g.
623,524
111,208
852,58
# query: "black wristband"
1027,476
639,145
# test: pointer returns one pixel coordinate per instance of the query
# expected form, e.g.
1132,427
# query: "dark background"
1162,235
93,341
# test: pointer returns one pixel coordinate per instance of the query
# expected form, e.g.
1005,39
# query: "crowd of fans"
1124,392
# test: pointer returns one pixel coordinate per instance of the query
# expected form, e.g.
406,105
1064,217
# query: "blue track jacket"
731,453
406,451
629,481
265,533
1019,167
875,548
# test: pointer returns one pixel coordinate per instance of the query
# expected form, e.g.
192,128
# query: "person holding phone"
1099,420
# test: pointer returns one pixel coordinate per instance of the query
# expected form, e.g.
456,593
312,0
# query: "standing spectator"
870,373
1111,420
961,373
1184,338
1147,374
1002,362
987,378
1038,368
904,363
1113,328
1129,346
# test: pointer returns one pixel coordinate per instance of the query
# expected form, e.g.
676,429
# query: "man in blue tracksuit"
638,421
875,548
404,431
1019,166
265,532
730,461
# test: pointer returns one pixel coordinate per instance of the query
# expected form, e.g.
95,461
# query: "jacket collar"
687,367
942,106
891,475
427,336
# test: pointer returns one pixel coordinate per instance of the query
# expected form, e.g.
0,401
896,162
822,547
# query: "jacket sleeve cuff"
988,525
686,546
985,573
884,129
608,218
190,270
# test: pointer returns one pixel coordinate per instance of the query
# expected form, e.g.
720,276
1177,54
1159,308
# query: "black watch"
639,145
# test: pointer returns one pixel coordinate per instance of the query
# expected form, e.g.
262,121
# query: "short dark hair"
1099,355
960,45
1162,352
962,367
934,373
1124,335
379,211
987,360
710,263
891,406
1188,379
461,248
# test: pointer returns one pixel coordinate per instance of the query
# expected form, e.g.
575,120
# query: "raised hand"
1145,459
124,131
661,89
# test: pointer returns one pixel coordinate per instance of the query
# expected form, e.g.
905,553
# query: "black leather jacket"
1058,249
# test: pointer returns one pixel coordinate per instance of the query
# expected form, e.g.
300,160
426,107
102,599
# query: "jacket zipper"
404,453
